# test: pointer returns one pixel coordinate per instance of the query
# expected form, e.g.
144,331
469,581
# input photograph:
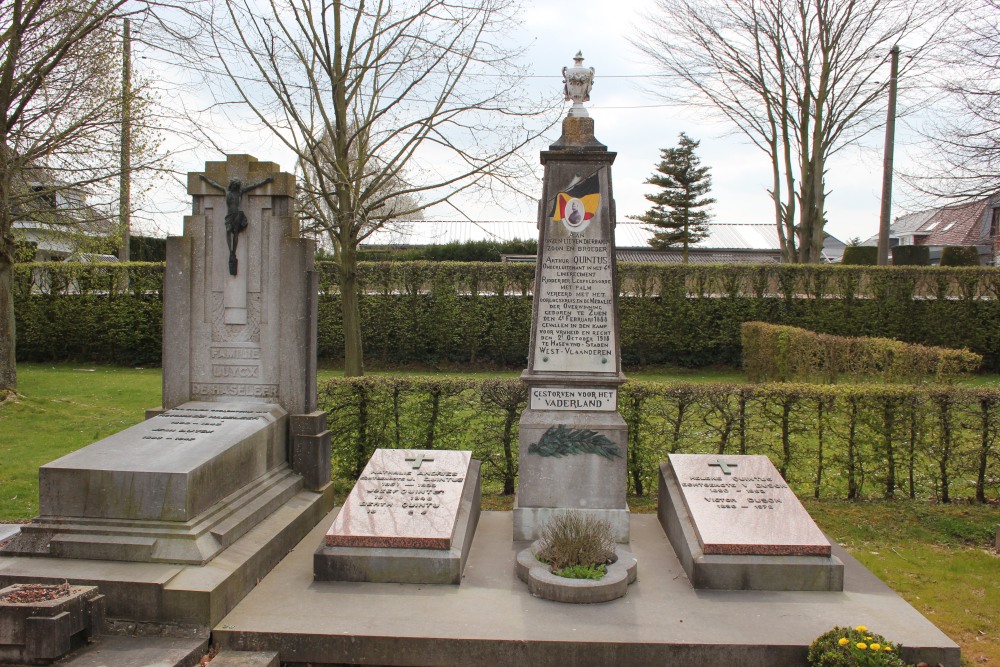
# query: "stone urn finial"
578,80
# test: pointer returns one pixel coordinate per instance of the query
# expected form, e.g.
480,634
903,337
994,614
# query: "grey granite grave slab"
492,618
178,487
410,518
735,525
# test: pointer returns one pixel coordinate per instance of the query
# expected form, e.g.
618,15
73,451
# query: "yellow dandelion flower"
876,646
868,639
862,645
887,649
843,641
861,628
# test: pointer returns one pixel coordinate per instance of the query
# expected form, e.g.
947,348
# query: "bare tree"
389,108
801,79
60,101
964,157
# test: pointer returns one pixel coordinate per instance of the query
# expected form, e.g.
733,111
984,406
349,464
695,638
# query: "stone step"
128,651
246,659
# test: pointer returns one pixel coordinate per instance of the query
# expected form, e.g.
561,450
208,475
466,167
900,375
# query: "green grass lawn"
938,557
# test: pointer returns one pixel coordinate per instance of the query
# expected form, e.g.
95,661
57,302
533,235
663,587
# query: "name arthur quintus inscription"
741,505
575,322
403,499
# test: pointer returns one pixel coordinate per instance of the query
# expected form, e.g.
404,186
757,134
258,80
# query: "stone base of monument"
542,583
737,526
492,618
562,469
39,624
405,523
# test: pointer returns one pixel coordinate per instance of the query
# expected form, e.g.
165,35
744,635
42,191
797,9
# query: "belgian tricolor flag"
585,195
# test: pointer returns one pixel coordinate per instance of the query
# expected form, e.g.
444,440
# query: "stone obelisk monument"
573,441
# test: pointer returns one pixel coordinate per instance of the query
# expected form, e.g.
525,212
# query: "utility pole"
890,142
125,165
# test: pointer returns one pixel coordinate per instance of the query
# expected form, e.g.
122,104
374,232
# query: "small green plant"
594,572
853,647
572,540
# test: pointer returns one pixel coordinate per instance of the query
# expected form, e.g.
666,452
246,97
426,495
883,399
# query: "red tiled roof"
956,225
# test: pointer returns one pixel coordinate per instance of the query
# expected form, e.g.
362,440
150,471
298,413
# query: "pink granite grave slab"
740,505
404,499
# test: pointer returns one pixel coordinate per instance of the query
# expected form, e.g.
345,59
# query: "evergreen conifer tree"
679,213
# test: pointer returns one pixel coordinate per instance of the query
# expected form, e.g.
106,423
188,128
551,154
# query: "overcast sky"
631,122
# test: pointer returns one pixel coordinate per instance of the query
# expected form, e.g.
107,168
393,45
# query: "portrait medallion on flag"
577,205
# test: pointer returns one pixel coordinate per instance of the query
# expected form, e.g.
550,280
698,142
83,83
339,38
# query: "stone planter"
38,633
543,584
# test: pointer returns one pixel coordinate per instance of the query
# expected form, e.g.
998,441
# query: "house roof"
955,225
963,224
905,225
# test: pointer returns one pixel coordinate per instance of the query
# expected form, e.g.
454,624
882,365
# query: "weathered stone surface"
246,659
743,570
251,336
405,547
170,467
405,499
129,651
41,632
173,593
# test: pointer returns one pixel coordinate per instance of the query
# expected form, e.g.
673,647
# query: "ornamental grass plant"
853,647
576,546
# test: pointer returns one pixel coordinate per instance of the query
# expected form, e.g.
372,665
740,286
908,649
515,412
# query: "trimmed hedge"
773,352
911,255
860,255
851,441
967,255
432,312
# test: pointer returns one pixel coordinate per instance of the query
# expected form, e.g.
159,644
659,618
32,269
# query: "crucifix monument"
237,456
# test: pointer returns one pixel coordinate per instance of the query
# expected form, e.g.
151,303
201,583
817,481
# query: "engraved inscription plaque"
404,499
575,318
740,505
563,398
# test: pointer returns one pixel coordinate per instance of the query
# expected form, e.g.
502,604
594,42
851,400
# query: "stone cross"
418,460
724,466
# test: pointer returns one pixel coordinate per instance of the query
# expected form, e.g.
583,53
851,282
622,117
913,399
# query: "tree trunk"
8,367
351,312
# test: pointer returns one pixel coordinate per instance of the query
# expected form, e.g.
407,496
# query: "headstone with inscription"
735,524
410,518
238,436
573,440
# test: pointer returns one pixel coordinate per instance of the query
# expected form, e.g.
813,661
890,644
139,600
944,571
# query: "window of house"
995,223
46,196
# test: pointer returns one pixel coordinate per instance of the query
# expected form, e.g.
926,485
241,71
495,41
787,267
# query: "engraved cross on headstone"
418,460
724,466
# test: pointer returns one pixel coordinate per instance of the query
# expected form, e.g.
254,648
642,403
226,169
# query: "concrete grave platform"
177,593
735,525
492,619
410,518
178,488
